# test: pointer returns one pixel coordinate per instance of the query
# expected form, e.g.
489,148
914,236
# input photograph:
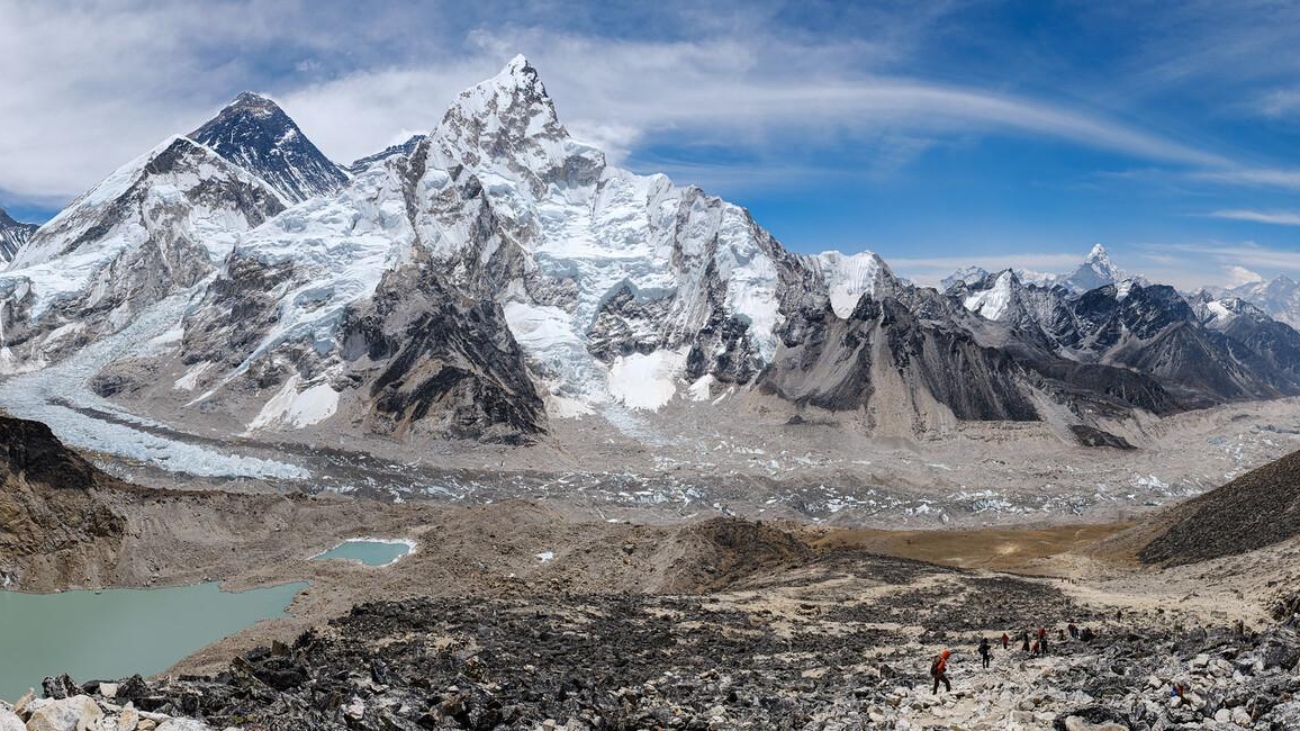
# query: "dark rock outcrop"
255,134
52,516
1255,510
436,362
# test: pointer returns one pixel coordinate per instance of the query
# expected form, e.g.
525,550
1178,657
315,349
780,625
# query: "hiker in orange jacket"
939,671
1006,641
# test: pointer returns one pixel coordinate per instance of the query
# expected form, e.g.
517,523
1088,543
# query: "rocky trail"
842,641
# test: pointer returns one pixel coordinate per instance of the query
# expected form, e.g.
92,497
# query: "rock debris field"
841,643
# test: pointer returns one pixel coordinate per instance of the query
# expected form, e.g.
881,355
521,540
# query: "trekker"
1024,638
1038,648
986,651
1042,639
1074,631
939,671
1006,641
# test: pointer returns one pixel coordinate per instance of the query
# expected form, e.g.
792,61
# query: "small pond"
117,633
369,551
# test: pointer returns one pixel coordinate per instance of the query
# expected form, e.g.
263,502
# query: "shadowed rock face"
837,364
1255,510
50,512
438,363
255,134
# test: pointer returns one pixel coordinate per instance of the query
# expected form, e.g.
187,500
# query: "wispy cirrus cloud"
1287,179
73,118
1192,264
1276,218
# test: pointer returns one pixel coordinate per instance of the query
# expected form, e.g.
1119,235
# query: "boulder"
9,721
1091,718
78,713
184,724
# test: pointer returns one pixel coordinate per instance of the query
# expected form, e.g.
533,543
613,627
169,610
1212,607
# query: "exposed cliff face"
887,361
55,527
435,362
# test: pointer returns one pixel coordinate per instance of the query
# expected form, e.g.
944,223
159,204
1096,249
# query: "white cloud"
1263,177
1239,275
1193,265
1277,218
76,116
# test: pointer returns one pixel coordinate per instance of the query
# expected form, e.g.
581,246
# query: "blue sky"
937,134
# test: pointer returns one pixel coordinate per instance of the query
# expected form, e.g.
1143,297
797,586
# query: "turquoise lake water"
120,632
371,553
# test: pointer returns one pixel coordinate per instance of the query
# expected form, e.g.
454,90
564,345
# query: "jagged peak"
508,124
517,90
1098,253
518,72
252,99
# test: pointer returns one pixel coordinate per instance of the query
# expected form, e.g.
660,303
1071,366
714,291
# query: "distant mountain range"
496,274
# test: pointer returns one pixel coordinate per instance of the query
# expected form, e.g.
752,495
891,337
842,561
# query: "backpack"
936,667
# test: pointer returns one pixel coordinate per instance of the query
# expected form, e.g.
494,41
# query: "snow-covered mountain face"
1200,352
496,273
13,235
406,148
618,288
158,225
1097,270
1279,298
255,134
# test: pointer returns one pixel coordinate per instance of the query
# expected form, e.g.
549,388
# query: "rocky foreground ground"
841,643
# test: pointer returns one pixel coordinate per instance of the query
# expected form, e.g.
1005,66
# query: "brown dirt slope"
1255,510
53,520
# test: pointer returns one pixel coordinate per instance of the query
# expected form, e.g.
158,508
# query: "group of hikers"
1037,648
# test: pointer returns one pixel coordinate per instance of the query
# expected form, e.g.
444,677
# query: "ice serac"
158,225
13,235
254,133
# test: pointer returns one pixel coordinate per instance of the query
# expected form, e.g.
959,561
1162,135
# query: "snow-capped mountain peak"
1097,270
994,300
850,276
13,235
254,133
507,127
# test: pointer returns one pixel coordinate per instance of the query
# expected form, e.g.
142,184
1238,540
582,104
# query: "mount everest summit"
496,274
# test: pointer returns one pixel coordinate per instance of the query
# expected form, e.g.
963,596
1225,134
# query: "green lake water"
120,632
369,552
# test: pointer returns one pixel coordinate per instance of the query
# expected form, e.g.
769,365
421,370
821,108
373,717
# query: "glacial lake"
117,633
369,551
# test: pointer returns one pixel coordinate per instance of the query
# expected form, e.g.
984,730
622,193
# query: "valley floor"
511,616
